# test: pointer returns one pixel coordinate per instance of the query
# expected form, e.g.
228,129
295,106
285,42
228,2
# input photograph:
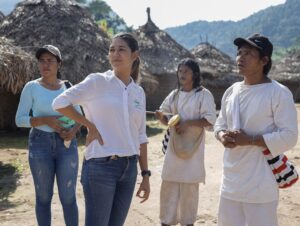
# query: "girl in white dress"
182,174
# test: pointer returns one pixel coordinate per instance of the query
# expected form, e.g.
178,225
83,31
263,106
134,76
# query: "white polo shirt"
117,110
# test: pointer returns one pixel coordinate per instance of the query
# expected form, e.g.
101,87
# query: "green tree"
106,18
99,9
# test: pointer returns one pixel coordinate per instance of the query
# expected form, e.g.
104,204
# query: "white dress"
200,105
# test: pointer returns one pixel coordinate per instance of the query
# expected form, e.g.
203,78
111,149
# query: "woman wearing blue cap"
52,142
256,114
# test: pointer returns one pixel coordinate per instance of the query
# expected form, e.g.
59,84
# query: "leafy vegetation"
105,17
281,23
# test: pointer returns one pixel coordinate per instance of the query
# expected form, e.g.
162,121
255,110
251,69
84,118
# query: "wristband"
146,172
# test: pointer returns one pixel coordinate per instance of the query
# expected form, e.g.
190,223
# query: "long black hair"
194,66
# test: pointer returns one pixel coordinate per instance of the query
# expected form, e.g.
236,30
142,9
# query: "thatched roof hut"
217,69
287,72
210,56
16,68
65,24
160,56
62,23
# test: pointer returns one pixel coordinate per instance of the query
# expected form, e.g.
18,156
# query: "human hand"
241,138
68,134
159,115
93,134
54,123
227,138
144,189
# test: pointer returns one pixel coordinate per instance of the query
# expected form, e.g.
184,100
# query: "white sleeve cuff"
60,102
143,139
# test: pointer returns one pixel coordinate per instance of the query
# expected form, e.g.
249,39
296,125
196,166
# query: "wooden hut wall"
166,84
9,103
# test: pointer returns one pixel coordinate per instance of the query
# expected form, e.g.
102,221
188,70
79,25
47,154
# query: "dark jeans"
108,186
48,158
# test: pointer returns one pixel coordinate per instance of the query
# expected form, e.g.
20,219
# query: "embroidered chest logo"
137,104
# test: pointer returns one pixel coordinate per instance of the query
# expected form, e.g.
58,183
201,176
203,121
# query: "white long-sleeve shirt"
118,112
199,105
265,109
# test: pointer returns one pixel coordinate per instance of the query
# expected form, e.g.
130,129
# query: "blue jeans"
108,186
48,158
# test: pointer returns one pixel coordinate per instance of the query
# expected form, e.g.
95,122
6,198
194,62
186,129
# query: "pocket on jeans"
39,146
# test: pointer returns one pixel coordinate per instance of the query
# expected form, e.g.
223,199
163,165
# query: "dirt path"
18,210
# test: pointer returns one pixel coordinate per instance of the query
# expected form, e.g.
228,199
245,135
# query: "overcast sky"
170,13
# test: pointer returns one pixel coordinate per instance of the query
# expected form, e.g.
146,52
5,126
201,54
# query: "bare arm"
241,138
161,117
144,189
198,122
51,121
93,133
69,134
182,126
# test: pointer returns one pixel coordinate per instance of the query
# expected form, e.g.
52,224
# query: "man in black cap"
257,115
259,47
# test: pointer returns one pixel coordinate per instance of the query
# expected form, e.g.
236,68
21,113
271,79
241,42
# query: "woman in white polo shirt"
114,107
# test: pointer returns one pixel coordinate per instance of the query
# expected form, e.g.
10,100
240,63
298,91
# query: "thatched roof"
210,56
16,66
160,55
62,23
218,69
287,70
159,51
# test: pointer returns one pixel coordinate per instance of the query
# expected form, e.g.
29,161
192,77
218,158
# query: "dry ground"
17,192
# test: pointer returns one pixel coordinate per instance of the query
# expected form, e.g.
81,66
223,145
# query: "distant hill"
281,23
8,6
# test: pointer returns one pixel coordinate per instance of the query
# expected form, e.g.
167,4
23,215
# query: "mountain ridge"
280,23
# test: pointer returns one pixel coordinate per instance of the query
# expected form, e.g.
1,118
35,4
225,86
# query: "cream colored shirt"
266,109
118,111
200,105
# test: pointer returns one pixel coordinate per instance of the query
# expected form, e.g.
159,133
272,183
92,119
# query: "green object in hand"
67,122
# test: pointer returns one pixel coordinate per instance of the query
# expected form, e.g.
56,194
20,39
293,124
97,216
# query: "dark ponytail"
133,45
135,70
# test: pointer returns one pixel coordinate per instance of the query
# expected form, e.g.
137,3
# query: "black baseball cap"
50,49
258,41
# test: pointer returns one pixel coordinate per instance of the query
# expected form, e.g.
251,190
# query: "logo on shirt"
137,104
